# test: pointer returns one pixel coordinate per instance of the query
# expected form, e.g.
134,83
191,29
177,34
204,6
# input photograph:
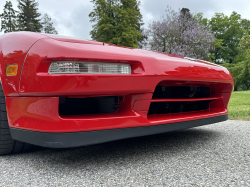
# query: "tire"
7,144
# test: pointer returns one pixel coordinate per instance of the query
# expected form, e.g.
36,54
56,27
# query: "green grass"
239,105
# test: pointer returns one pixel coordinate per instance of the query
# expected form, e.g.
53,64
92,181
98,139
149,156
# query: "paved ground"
214,155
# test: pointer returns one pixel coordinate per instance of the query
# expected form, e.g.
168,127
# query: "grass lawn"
239,105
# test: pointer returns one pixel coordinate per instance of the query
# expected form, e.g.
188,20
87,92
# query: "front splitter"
78,139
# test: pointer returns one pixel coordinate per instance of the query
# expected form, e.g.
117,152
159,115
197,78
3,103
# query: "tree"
139,25
180,34
246,25
201,20
230,30
185,13
116,21
241,70
243,77
48,25
29,17
8,18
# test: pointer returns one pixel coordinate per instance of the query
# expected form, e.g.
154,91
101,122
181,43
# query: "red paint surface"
13,49
41,114
33,96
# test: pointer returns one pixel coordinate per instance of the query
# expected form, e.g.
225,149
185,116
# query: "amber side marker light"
11,70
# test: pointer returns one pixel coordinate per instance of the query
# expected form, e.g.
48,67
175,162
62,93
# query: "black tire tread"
2,100
5,151
7,144
3,116
4,131
2,107
5,137
4,125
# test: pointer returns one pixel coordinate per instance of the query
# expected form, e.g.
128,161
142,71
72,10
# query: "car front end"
70,93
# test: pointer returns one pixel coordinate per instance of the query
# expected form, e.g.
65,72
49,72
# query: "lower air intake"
178,97
177,107
181,92
84,106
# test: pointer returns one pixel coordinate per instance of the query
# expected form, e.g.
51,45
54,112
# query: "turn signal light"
11,70
75,67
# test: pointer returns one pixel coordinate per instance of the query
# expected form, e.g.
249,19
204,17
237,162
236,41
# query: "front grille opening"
181,92
91,105
177,107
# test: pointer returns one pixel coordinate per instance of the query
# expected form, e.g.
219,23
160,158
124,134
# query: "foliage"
230,30
201,20
8,18
246,25
216,44
241,70
245,44
244,75
239,105
116,21
231,46
48,25
29,17
181,34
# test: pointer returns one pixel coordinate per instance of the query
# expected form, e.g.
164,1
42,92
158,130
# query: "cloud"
70,19
209,7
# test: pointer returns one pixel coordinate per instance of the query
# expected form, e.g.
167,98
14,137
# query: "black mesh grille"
176,107
181,92
186,99
91,105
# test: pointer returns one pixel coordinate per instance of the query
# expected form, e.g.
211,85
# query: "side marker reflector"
11,70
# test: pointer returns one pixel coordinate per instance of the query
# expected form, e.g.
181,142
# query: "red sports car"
62,92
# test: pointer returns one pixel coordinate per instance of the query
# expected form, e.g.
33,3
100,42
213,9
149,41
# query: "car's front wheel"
7,144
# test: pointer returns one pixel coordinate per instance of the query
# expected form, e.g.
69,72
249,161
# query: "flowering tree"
178,33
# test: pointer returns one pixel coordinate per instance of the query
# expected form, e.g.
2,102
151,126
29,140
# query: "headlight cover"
76,67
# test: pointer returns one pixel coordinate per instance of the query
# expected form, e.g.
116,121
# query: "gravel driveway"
213,155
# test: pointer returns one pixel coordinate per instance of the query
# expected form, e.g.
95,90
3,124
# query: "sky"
70,17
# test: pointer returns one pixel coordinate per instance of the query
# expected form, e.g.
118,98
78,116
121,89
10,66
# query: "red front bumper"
37,104
41,114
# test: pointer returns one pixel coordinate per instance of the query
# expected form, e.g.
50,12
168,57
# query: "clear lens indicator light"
75,67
